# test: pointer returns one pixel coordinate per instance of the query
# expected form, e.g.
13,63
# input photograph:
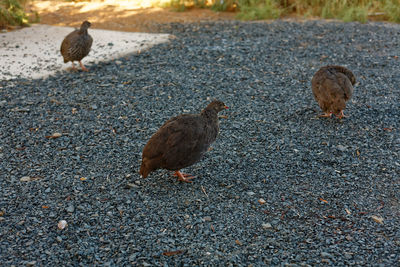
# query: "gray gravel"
331,186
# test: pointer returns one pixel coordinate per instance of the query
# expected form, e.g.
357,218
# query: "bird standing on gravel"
182,141
76,45
332,86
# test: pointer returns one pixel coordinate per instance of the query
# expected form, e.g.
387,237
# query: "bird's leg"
83,67
341,115
184,177
73,66
183,174
326,115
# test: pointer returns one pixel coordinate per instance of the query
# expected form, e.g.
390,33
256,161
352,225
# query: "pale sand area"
34,52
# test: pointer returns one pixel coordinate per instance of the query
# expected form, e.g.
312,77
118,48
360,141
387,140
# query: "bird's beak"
226,107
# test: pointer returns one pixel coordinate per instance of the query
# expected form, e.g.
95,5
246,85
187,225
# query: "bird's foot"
325,115
73,68
341,115
184,177
182,173
83,67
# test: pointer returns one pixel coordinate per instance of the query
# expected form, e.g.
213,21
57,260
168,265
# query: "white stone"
266,225
25,179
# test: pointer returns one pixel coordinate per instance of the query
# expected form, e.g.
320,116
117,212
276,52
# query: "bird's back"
331,86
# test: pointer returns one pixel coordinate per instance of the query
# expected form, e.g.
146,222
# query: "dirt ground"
119,15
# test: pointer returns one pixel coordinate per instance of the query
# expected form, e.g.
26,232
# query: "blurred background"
145,15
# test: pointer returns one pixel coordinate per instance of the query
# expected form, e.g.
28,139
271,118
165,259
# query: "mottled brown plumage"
332,87
182,141
76,45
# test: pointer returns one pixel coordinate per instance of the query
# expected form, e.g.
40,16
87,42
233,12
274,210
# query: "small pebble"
25,179
62,224
207,219
70,208
377,219
326,255
266,225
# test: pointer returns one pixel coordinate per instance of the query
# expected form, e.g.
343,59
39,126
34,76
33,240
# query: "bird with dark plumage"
182,141
76,45
332,87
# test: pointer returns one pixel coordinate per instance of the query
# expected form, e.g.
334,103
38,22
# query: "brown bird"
332,86
182,141
76,45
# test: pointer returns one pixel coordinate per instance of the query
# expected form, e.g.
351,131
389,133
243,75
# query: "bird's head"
339,105
85,25
217,106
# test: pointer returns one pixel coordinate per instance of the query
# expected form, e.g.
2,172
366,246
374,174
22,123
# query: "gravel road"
279,187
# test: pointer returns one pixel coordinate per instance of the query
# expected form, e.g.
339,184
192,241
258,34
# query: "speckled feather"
77,44
332,87
182,140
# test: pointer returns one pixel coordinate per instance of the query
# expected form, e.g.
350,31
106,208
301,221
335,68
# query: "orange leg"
341,115
184,177
73,66
326,115
83,67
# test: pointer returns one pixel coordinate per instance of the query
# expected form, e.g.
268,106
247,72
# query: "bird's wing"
183,138
69,42
318,86
332,88
64,46
90,42
167,138
322,84
345,85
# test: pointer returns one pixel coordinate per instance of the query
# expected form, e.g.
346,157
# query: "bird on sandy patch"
182,141
76,45
332,87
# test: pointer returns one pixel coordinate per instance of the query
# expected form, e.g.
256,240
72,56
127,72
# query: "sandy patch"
119,15
34,52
